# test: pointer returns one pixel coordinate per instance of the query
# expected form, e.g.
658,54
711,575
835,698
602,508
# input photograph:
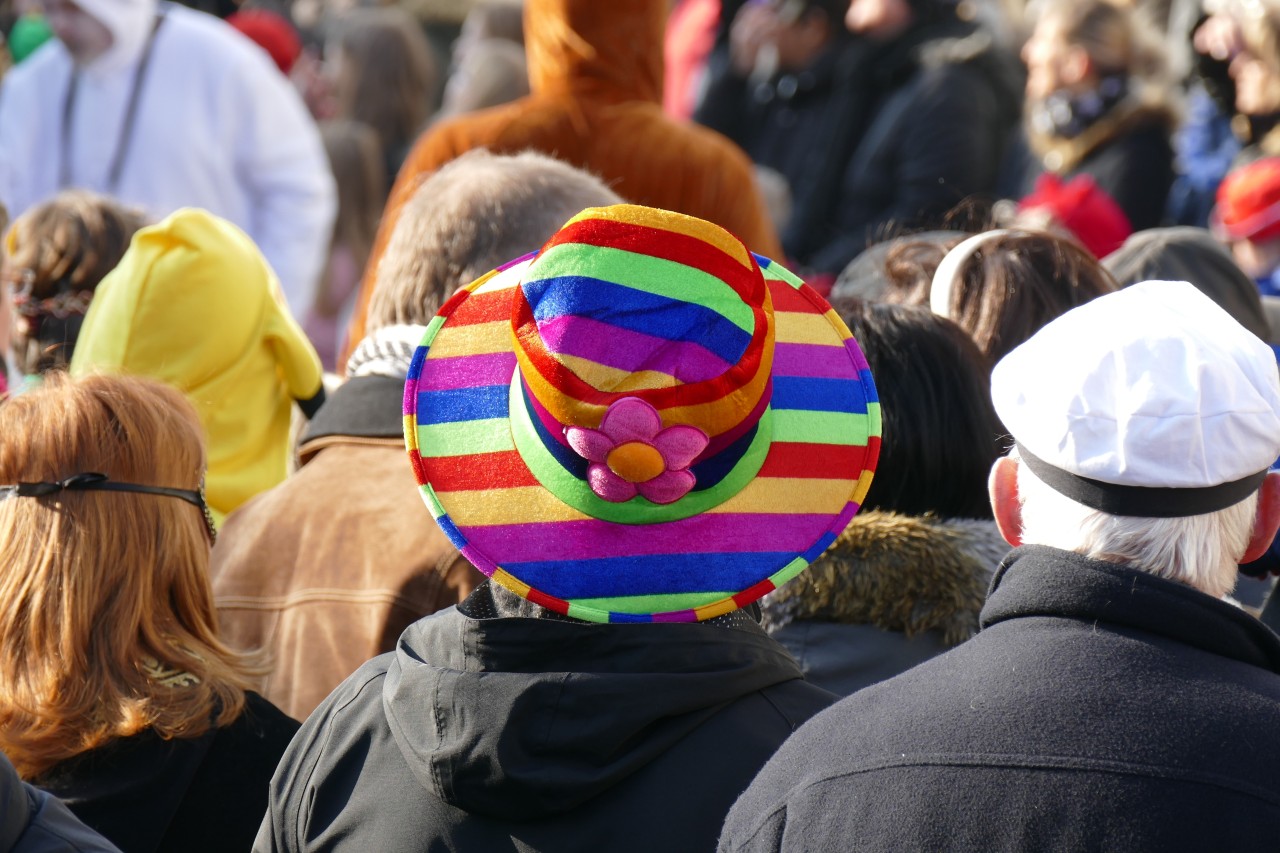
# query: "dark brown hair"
1014,284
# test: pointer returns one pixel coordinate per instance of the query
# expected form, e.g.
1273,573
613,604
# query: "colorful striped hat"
642,422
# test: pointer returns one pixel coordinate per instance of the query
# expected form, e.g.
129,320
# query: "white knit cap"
1154,389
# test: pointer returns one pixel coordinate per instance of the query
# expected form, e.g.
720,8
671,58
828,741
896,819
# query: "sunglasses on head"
92,482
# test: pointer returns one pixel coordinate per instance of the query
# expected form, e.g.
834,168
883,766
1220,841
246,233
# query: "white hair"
1201,551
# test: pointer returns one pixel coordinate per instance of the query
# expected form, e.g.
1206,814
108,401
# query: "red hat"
1084,209
272,32
1249,202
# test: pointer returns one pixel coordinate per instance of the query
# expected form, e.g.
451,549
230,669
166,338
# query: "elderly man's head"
475,213
1145,423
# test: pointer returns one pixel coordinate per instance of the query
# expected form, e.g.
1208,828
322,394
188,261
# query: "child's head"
56,253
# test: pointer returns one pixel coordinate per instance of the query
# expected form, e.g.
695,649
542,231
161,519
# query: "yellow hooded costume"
194,303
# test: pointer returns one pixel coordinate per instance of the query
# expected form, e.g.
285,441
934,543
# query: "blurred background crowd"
262,204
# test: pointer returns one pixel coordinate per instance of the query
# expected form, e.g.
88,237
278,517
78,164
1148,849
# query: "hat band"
1141,501
556,472
709,469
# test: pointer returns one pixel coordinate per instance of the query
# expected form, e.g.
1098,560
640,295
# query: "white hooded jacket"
217,127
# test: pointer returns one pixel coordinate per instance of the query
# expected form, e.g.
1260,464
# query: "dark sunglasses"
101,483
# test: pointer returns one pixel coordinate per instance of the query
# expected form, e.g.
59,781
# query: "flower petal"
631,419
609,485
680,445
667,487
590,444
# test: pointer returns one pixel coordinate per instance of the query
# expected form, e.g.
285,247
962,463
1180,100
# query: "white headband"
944,278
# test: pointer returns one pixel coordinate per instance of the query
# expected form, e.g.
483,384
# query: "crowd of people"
712,424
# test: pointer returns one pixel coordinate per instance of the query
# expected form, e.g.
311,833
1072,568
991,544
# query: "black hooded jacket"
487,732
1099,708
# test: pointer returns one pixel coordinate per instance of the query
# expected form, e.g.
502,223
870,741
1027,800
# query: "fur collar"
899,573
1062,156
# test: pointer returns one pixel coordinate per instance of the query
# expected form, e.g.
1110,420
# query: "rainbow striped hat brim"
642,422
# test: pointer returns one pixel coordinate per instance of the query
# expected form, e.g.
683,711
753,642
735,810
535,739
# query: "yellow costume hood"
193,303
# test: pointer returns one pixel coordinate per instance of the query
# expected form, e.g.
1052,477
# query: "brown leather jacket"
327,569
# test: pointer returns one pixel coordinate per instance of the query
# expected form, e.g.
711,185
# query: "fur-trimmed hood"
1061,155
900,573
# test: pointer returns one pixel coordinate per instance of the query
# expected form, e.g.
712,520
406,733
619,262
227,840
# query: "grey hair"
1201,551
473,214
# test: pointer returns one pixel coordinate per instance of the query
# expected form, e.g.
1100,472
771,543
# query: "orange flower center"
636,462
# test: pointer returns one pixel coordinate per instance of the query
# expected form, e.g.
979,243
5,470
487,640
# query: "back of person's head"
387,75
940,430
478,211
108,626
491,73
578,48
1194,255
1002,286
360,175
1145,423
896,270
486,20
57,252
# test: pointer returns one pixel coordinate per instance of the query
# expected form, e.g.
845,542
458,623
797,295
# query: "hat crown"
1153,386
633,301
641,325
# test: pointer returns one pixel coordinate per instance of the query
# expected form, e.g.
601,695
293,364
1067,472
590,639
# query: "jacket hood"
609,51
1193,255
130,23
486,727
899,573
194,304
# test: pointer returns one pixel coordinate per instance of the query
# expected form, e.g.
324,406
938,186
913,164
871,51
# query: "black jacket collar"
363,407
1039,581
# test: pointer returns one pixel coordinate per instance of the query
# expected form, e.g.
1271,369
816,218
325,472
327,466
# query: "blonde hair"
1111,33
1201,551
106,612
476,212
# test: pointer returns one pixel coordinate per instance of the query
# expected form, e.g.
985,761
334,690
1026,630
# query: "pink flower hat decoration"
631,454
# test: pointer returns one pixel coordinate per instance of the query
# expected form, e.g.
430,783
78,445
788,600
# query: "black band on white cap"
1141,501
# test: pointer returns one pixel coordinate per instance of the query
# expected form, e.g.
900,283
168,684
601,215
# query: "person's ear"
1006,506
1267,520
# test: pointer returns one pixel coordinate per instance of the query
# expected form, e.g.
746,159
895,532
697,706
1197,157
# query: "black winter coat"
186,795
33,821
488,732
1134,166
874,136
1099,708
